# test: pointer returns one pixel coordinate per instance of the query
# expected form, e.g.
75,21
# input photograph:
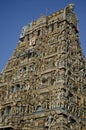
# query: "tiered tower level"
43,85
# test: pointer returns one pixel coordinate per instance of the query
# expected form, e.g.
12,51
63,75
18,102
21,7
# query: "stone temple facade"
43,85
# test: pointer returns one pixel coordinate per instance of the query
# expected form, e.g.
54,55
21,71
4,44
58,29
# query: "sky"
14,14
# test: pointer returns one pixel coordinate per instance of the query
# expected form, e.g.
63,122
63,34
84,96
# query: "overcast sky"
14,14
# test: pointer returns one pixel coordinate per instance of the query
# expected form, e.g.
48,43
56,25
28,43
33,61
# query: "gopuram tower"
43,85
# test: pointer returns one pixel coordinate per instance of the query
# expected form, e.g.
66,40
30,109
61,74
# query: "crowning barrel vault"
43,85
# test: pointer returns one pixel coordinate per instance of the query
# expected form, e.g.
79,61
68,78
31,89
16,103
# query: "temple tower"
43,85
